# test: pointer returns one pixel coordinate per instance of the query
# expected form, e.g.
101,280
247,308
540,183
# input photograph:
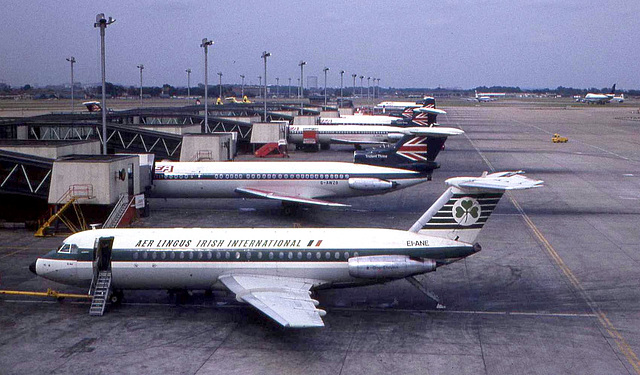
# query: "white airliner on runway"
422,116
362,134
601,98
410,161
275,269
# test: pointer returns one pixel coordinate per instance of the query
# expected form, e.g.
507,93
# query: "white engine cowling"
370,184
389,266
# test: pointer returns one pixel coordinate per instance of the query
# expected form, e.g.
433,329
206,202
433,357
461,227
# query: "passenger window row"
237,255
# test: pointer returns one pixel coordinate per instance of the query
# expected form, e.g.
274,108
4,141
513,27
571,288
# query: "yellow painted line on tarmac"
622,344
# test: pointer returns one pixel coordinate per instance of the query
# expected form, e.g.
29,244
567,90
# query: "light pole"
302,64
72,60
368,88
354,84
361,86
242,87
341,84
205,44
102,23
220,84
188,82
141,67
289,94
265,54
325,70
277,87
298,88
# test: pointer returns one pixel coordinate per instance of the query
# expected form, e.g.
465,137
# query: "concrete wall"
330,114
346,111
305,120
208,147
54,151
102,176
267,132
174,129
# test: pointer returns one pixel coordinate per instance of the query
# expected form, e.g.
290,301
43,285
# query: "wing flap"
285,300
261,193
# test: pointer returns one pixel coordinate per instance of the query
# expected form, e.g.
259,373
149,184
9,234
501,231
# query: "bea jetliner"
276,269
377,171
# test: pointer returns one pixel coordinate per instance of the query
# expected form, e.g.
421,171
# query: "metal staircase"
69,199
100,290
118,212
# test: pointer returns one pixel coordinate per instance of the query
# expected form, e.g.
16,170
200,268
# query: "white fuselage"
305,179
362,120
328,134
195,258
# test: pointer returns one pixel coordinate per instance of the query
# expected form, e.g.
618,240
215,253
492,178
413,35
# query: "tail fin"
425,116
465,206
613,89
416,150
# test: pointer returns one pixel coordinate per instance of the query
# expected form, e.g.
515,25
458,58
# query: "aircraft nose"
32,267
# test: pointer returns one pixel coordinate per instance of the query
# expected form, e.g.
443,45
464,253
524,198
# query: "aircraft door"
102,254
130,181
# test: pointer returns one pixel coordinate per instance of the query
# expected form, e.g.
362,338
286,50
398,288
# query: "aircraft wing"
285,300
261,193
352,142
433,111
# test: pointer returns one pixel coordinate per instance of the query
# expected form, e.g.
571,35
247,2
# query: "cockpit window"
68,249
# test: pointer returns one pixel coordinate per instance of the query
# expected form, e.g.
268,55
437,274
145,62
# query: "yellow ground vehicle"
557,138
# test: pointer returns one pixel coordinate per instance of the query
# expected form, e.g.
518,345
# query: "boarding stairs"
273,150
68,199
100,290
118,211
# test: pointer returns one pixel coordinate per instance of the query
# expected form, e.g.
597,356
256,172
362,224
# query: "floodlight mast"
220,84
242,86
354,84
102,23
141,67
302,64
188,82
341,84
361,86
325,70
72,60
205,44
265,54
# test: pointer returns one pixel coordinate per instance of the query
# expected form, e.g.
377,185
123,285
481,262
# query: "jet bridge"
25,174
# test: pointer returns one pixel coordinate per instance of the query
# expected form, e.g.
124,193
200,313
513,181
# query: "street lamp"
265,54
72,60
368,87
302,64
341,84
205,44
325,70
242,87
188,83
354,84
361,85
102,23
220,84
141,67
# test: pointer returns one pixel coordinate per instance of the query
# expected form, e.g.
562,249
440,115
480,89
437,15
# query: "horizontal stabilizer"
436,131
495,181
260,193
433,111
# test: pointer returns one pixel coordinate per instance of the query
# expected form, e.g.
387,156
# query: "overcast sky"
448,43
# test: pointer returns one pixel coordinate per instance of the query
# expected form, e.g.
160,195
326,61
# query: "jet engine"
370,184
389,266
